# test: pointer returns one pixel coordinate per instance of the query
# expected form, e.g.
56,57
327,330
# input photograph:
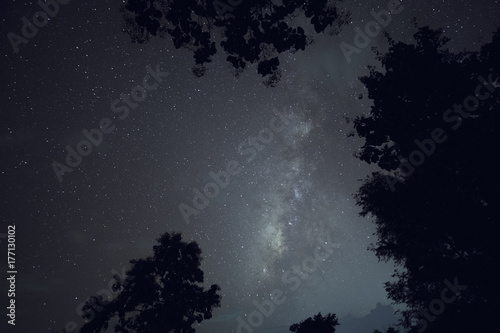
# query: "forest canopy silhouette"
433,130
160,294
248,32
318,323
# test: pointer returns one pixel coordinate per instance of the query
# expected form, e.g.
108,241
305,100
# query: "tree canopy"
317,324
390,329
433,129
161,294
249,32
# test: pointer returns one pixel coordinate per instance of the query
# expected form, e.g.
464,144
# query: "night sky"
291,191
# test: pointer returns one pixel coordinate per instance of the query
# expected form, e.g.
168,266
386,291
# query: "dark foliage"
436,209
317,324
249,32
161,293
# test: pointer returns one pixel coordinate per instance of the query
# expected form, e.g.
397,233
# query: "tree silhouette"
161,294
390,329
317,324
249,31
436,201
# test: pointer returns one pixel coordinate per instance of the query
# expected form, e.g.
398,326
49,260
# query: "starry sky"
294,172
